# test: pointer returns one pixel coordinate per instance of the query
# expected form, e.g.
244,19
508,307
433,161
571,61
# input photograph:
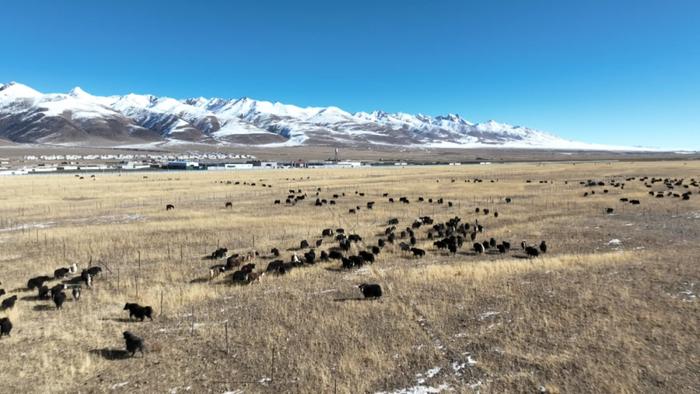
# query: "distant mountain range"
79,118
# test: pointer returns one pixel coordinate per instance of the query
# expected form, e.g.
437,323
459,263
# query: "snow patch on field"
421,387
109,219
488,314
118,385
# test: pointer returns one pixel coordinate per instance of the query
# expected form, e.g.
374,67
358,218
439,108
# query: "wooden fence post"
226,332
272,366
192,332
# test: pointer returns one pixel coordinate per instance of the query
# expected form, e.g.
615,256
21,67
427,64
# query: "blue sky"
619,72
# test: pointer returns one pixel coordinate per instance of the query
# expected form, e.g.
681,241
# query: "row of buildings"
151,165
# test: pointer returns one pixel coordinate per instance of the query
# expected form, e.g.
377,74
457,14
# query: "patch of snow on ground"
421,387
432,372
614,242
27,226
418,389
488,314
111,219
118,385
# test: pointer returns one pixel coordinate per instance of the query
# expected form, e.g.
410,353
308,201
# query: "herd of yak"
349,250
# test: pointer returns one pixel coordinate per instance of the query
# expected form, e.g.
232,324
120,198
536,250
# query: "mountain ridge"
80,118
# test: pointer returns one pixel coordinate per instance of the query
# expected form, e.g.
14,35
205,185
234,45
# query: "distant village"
42,164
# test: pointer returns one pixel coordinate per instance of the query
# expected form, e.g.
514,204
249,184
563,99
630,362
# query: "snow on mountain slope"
28,115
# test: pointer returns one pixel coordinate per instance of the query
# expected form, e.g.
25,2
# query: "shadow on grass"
199,280
120,319
111,354
346,299
44,307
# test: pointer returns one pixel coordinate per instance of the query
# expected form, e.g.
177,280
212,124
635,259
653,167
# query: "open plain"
610,307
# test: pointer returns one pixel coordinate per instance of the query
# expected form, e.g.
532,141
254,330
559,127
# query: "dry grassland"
588,316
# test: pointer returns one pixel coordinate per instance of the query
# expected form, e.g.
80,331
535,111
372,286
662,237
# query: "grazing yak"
370,290
335,255
219,253
133,343
87,278
58,288
8,303
366,256
228,204
240,277
543,247
94,270
532,251
310,257
418,252
478,248
37,282
216,270
277,266
58,299
169,207
44,293
138,311
75,291
5,326
61,273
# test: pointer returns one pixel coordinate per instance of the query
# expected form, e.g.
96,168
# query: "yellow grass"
588,316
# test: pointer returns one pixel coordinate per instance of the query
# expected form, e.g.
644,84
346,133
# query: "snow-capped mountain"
77,117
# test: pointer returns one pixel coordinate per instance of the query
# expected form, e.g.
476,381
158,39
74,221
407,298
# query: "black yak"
59,298
37,282
133,343
370,290
60,273
366,256
5,326
8,303
335,255
418,252
140,312
532,251
44,293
